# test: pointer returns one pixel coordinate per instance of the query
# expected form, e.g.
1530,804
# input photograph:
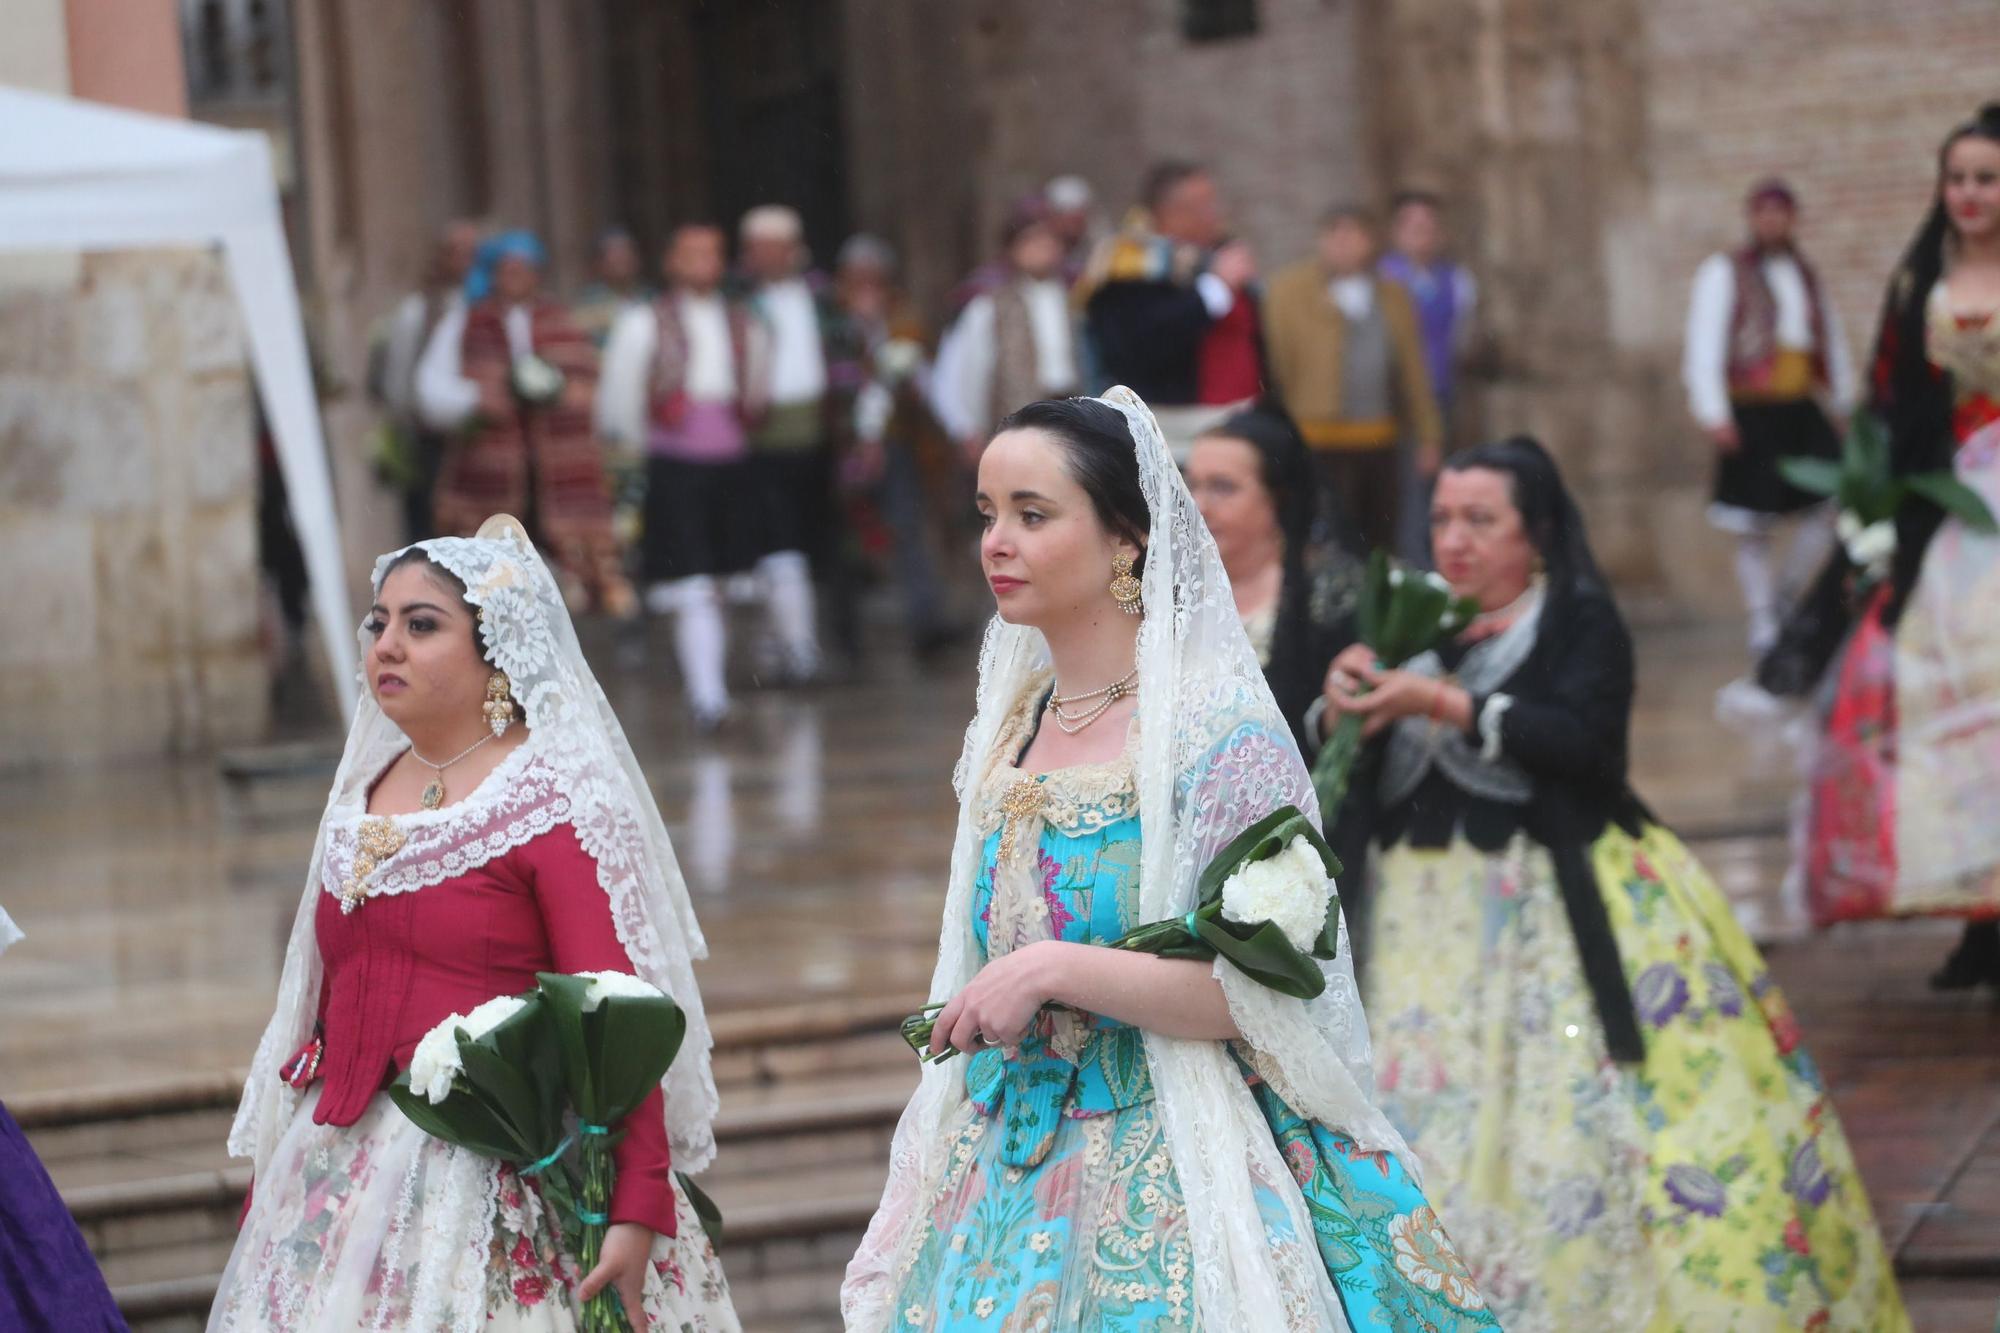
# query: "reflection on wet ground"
813,833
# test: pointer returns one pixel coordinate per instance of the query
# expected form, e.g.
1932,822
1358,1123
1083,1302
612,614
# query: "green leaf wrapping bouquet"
1399,614
538,1081
1870,495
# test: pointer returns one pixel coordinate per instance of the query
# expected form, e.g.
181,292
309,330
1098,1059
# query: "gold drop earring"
1125,588
499,705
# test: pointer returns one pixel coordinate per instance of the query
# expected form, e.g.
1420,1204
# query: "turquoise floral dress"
1061,1208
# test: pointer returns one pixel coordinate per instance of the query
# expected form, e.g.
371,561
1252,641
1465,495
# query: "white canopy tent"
82,176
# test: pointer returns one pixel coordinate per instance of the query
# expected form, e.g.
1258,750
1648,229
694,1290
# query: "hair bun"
500,527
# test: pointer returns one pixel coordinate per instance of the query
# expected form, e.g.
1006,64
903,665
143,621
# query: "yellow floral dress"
1710,1187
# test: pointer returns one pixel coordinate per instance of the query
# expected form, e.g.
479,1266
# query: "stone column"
1530,121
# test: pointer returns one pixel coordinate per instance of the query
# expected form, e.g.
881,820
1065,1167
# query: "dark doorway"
720,105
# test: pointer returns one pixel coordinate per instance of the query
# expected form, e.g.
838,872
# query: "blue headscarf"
519,244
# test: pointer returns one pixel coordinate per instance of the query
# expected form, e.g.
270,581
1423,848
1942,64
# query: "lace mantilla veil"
1214,756
599,789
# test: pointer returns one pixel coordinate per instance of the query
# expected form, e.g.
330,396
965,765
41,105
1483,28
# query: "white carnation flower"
435,1063
536,380
1289,890
490,1015
615,985
898,359
1870,546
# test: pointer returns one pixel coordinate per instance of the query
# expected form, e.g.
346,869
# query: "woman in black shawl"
1619,1123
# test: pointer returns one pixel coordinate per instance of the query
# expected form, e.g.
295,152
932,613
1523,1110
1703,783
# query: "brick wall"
1846,99
1011,92
1596,153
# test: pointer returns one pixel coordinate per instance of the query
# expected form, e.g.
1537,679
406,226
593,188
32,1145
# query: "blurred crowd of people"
743,427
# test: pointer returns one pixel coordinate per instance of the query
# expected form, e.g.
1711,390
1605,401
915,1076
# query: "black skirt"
793,500
1749,478
700,519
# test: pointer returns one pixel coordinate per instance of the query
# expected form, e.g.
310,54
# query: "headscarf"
526,632
1214,756
517,244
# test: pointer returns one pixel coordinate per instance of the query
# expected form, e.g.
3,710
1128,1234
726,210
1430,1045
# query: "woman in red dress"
1901,814
488,822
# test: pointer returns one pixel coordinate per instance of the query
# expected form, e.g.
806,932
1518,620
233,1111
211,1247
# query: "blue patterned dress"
1061,1208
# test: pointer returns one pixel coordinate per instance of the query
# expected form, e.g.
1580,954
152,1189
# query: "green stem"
1332,768
602,1313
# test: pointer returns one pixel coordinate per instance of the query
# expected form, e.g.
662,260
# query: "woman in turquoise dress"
1126,1142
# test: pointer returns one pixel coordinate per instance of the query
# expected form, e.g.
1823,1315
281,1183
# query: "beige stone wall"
955,113
1845,98
127,515
1596,153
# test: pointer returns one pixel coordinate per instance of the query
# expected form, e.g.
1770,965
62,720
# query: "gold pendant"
433,796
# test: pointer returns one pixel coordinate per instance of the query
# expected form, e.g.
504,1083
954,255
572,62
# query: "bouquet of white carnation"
1870,493
1400,613
540,1081
1266,904
898,359
534,381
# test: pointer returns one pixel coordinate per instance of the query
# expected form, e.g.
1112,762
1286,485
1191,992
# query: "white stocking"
1812,543
788,593
701,642
1760,593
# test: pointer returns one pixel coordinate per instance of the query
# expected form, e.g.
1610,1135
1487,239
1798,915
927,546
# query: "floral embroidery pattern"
1061,1207
447,1241
1710,1187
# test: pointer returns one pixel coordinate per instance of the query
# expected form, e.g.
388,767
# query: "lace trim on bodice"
386,854
1967,347
1079,799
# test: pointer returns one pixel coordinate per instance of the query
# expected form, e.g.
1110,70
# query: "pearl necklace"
1072,723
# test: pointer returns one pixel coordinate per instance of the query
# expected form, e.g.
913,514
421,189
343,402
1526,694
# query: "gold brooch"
1023,800
377,841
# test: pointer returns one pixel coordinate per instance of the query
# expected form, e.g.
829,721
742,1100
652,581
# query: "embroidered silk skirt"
1091,1235
48,1278
376,1225
1710,1188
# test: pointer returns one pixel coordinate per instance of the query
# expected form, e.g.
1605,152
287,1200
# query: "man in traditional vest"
687,378
1768,376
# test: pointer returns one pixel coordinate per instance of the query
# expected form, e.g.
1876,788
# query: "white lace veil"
1215,755
528,634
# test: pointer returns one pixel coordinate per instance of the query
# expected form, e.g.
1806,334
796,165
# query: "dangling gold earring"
1125,588
499,706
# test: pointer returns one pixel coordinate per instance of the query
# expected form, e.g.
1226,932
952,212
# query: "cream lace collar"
1079,797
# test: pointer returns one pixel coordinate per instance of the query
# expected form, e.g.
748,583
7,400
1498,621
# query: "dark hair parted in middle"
1549,513
1099,454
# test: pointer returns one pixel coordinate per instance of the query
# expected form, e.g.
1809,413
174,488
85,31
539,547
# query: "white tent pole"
263,278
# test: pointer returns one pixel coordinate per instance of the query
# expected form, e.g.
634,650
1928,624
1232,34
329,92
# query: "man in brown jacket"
1348,363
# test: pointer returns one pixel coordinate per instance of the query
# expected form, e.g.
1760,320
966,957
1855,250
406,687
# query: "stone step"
786,1244
809,1097
752,1047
